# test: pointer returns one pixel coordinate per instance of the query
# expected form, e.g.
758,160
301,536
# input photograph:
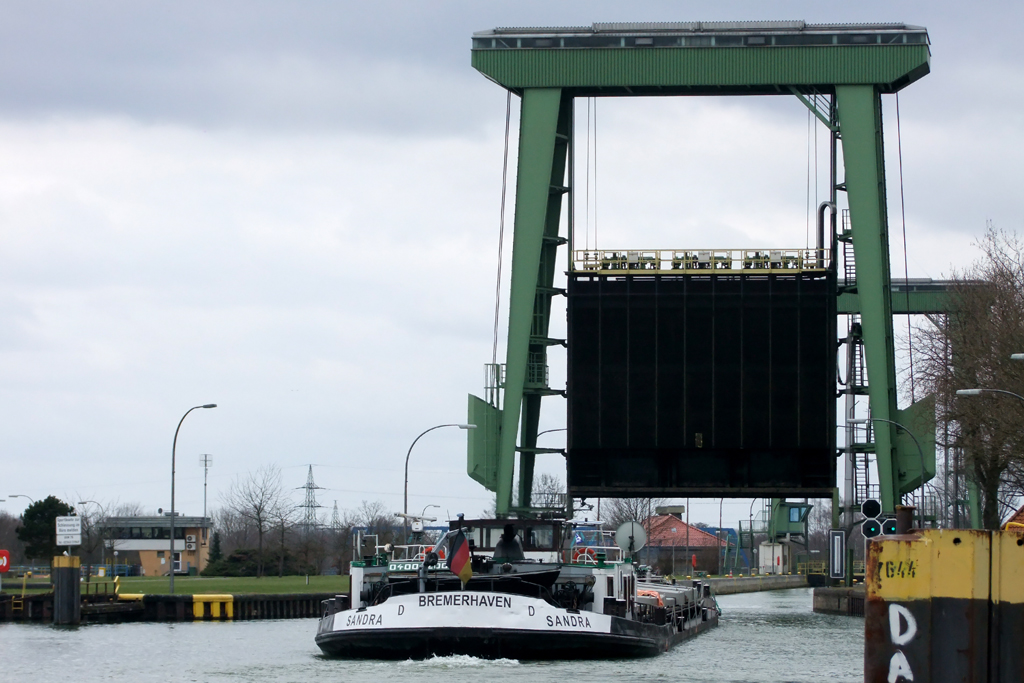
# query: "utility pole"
309,504
335,518
205,461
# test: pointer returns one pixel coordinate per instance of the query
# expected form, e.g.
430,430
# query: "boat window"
539,537
483,537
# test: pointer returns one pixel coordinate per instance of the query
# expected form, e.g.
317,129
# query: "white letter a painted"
899,666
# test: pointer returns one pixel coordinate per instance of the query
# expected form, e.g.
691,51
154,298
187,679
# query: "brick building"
146,540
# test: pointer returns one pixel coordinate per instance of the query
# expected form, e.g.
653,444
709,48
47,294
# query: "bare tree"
130,509
257,497
235,530
283,516
340,541
819,522
970,348
93,515
378,519
548,491
621,510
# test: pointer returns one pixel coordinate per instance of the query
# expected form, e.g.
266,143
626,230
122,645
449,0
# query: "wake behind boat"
544,590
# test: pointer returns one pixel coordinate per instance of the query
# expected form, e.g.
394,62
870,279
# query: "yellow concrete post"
945,605
67,589
222,606
1007,639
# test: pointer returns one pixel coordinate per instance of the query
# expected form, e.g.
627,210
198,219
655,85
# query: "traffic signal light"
889,527
871,528
871,508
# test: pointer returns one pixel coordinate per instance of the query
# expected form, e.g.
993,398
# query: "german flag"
458,558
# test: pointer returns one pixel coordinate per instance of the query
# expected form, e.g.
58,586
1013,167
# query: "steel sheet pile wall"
710,385
945,605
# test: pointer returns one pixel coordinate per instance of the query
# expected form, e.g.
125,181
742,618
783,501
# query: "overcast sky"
291,210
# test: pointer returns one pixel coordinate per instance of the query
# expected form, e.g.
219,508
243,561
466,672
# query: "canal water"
771,636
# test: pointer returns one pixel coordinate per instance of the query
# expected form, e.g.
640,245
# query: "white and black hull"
493,625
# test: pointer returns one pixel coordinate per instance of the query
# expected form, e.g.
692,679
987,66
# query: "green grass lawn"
196,584
235,585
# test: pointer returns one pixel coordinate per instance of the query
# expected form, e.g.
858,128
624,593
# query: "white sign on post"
837,553
69,530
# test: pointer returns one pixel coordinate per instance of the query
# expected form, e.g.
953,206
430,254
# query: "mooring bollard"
67,590
945,605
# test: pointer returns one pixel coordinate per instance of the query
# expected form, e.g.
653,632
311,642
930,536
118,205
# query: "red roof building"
667,531
1018,517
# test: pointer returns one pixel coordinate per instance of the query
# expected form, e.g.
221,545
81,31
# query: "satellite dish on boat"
631,537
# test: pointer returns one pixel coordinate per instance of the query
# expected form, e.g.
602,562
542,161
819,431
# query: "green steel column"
538,126
860,125
542,301
837,510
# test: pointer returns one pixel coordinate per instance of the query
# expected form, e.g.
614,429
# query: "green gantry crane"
839,71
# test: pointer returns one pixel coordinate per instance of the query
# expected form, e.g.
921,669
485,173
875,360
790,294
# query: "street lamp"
405,500
979,392
19,495
920,451
174,448
1017,356
83,502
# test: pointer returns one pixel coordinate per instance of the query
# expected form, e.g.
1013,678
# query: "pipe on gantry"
821,231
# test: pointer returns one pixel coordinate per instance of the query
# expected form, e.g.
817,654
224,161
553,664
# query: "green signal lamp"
871,528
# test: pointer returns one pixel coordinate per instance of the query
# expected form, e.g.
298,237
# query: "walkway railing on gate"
687,262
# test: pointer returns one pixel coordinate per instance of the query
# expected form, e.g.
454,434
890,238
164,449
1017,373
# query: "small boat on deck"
540,589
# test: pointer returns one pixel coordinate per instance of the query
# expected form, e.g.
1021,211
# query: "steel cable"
501,227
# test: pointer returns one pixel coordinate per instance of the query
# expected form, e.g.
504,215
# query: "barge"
538,589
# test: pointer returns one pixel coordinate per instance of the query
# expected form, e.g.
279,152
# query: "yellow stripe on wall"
935,563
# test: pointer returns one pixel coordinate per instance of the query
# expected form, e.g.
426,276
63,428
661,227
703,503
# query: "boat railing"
591,554
416,552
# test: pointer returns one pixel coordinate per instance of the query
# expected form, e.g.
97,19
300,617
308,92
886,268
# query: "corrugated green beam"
537,135
860,120
695,70
934,301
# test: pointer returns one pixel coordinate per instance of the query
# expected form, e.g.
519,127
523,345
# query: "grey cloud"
397,66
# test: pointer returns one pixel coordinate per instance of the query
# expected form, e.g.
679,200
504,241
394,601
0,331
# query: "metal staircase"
859,438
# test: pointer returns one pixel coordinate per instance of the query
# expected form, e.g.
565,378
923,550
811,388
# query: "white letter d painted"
898,637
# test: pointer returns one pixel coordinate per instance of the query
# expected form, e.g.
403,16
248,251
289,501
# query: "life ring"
440,553
584,556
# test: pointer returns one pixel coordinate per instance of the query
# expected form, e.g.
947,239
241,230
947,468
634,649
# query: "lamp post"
920,452
174,448
979,392
405,498
19,495
83,502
